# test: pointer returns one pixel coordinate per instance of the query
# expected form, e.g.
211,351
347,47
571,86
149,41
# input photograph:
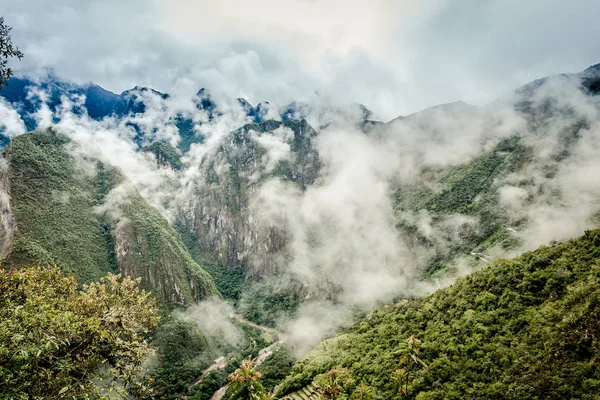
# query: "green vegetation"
303,169
53,205
470,190
184,352
182,355
213,382
245,385
187,134
7,50
55,199
59,342
276,367
524,328
156,253
166,155
230,280
267,301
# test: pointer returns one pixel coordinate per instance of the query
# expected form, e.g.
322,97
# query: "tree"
363,392
245,384
409,360
334,384
7,50
59,341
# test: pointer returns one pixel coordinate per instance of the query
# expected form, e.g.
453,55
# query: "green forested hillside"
149,248
166,155
52,205
469,190
526,328
54,200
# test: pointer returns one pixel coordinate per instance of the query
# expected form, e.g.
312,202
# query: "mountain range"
310,217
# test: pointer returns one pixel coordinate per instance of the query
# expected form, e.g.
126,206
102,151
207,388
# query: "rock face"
219,213
7,224
65,212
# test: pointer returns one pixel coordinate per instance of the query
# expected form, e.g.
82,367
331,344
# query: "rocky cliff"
219,213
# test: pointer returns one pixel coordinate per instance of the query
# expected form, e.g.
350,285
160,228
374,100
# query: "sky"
396,57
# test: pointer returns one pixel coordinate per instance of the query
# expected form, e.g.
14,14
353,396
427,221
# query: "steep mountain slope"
73,211
524,328
219,214
469,191
465,183
490,202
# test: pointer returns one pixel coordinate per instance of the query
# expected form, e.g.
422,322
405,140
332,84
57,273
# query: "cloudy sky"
394,56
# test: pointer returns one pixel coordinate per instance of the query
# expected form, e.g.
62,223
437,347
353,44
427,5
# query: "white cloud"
11,123
396,57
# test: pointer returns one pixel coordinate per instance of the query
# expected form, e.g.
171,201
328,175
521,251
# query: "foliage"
7,50
266,302
470,190
364,392
522,328
334,384
153,245
230,280
211,383
55,198
166,155
410,359
276,367
184,352
245,385
58,341
187,133
53,207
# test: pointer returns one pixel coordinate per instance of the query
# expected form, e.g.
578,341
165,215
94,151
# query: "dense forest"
524,328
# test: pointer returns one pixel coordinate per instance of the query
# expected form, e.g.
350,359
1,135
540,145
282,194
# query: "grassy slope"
53,205
53,208
526,328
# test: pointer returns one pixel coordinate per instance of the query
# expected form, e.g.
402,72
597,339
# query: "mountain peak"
593,68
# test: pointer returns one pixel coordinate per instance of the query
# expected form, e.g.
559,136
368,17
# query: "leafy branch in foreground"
59,341
7,50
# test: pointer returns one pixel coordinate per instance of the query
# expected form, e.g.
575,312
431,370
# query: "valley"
451,253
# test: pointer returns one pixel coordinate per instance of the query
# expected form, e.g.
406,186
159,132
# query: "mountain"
62,212
303,215
29,97
461,197
219,214
521,328
526,327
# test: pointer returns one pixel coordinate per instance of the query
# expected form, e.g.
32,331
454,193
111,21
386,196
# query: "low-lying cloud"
341,238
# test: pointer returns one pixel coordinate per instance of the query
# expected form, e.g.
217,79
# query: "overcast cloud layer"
396,57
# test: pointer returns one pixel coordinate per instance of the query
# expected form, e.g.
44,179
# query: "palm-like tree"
333,387
363,392
410,359
245,384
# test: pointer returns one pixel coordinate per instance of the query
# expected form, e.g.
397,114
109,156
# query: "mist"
341,240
